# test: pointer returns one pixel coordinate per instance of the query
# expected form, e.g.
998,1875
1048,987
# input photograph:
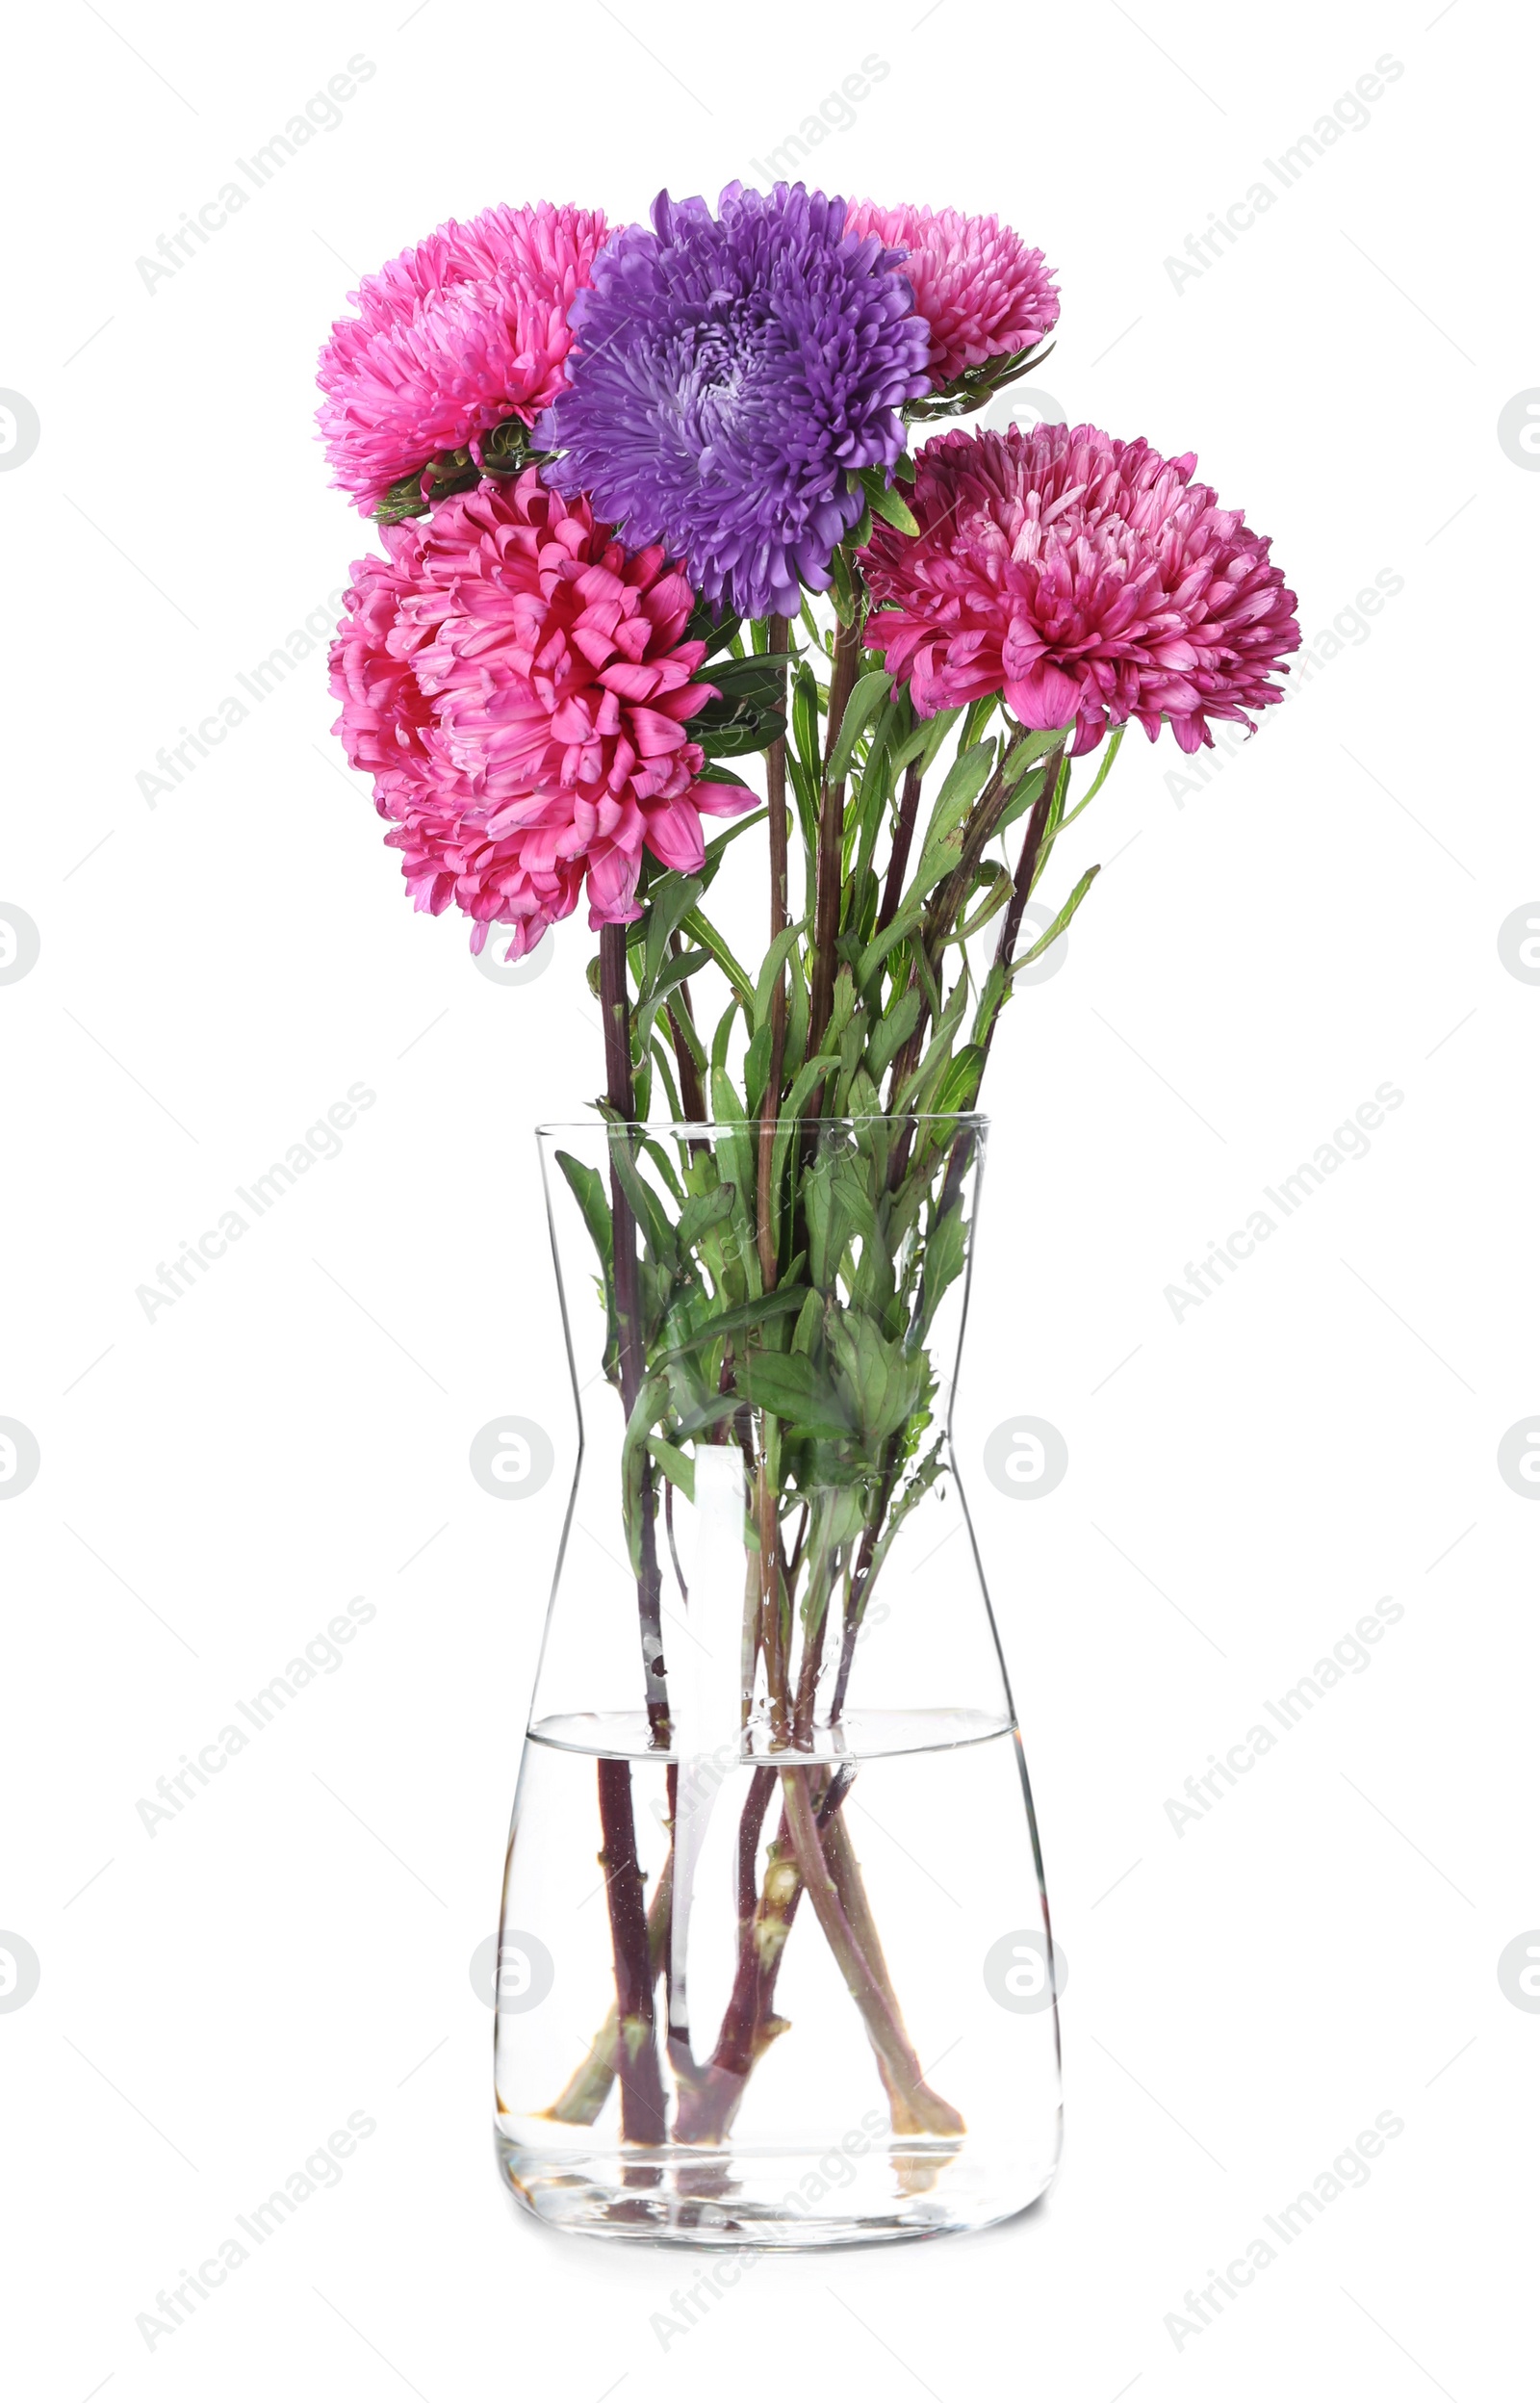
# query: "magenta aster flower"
463,331
514,680
978,288
731,372
1087,579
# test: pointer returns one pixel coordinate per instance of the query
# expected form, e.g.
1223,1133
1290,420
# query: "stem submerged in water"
923,2111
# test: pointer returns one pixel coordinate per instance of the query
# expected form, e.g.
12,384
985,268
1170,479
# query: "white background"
1244,1482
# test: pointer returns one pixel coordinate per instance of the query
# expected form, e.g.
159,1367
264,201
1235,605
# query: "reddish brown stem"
692,1098
749,2024
641,2080
902,838
1026,875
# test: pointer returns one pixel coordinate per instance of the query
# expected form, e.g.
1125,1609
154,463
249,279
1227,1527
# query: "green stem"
832,839
775,770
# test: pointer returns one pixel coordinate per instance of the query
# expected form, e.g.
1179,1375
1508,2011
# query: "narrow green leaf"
1063,920
884,502
924,744
677,1466
996,884
894,1030
1030,749
867,698
770,973
787,1384
697,925
749,1314
840,593
1113,744
957,1088
965,779
704,1211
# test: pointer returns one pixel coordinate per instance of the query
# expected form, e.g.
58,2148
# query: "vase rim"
976,1122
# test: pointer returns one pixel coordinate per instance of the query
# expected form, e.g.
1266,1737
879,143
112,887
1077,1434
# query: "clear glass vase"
774,1965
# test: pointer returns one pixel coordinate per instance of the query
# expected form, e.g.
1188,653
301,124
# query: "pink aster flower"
515,681
1087,579
978,287
461,332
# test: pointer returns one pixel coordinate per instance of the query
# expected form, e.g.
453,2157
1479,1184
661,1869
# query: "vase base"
730,2199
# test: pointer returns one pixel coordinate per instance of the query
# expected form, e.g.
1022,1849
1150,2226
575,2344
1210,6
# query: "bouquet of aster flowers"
661,508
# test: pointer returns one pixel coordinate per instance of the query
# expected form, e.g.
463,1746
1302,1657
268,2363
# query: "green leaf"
705,627
677,1466
867,698
840,591
893,1031
959,1085
945,1250
976,385
884,1381
704,1211
760,679
979,714
696,925
667,896
1023,797
770,974
996,884
1063,920
748,1315
748,729
810,1075
588,1192
905,919
748,712
1113,743
924,744
1030,749
965,781
789,1385
887,504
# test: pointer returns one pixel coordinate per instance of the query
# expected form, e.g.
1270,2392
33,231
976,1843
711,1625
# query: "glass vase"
774,1960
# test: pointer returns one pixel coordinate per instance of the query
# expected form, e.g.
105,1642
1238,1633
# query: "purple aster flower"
729,372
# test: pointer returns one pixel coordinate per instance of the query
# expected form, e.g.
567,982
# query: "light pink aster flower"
1087,579
978,286
515,681
462,331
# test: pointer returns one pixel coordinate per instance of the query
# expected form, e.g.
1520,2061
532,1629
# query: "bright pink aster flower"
514,680
978,287
1085,578
460,332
